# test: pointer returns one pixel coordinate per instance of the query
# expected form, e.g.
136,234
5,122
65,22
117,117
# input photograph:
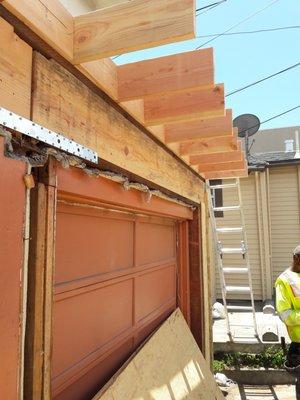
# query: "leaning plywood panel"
63,103
15,71
12,210
169,366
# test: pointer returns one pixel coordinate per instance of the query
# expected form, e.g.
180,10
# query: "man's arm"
284,308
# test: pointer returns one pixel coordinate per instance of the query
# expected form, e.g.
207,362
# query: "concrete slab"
242,327
246,392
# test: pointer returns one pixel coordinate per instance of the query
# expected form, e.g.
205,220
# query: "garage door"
115,278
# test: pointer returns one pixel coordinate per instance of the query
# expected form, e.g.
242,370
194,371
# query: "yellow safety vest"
288,302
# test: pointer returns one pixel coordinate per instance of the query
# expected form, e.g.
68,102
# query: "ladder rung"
238,289
224,186
239,308
230,230
232,250
233,270
228,208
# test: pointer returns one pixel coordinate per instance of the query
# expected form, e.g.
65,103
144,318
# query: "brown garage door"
115,278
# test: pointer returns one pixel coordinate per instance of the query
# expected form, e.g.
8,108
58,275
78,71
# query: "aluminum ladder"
227,272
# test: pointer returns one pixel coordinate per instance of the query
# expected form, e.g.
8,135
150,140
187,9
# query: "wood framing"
204,128
40,284
186,106
131,26
64,104
222,166
175,73
209,146
15,71
243,173
216,157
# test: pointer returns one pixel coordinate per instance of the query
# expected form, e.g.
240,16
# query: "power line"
208,7
239,23
271,118
250,32
263,79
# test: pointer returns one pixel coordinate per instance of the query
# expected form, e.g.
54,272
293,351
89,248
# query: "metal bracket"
25,126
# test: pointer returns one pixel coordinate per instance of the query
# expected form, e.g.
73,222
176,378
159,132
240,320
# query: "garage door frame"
42,255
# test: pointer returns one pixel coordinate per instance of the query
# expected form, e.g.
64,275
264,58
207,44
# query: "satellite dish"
246,123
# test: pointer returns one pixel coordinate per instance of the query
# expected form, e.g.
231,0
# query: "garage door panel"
96,376
155,242
154,290
86,245
85,323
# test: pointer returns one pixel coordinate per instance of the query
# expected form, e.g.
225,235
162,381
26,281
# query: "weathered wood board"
64,104
15,71
169,366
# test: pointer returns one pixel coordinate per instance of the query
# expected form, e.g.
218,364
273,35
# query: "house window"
217,197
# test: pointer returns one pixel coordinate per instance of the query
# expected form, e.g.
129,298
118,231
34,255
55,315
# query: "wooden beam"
222,166
130,26
88,119
217,157
48,19
187,106
15,71
106,3
204,128
209,146
243,173
175,73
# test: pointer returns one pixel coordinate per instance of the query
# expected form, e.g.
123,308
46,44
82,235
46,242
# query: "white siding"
285,212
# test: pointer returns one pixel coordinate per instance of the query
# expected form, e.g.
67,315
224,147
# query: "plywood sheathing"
169,366
130,26
64,104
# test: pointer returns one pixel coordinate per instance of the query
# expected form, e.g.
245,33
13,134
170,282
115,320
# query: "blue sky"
242,59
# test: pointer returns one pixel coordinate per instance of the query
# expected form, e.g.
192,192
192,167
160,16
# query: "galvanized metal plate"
23,125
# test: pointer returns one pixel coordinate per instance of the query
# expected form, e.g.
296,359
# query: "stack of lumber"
169,366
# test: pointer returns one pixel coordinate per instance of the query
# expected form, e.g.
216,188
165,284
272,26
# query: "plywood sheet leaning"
169,366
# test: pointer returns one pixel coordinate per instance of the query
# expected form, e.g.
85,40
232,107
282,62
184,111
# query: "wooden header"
130,26
178,72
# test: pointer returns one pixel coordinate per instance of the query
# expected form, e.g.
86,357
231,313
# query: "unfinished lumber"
243,173
168,366
204,128
209,146
48,19
175,73
64,104
216,157
186,106
15,71
131,26
222,166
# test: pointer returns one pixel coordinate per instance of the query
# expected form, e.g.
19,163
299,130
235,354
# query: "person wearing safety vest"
288,306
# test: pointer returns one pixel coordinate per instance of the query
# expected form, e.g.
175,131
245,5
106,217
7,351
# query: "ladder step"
224,186
238,289
239,308
228,208
230,230
232,250
233,270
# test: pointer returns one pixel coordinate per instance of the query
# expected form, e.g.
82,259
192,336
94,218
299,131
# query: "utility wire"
271,118
263,79
239,23
208,7
249,32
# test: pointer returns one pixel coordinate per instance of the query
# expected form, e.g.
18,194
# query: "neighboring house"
271,203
